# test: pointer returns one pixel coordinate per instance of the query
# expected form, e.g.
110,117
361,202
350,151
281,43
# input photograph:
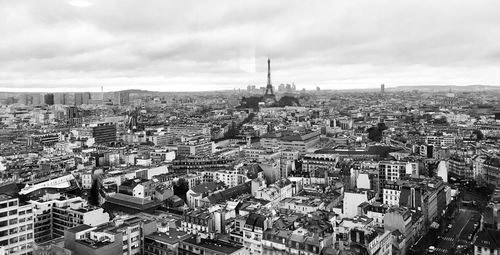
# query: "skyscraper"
48,99
382,89
82,98
61,98
122,98
27,99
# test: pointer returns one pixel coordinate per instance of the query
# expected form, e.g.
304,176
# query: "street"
462,225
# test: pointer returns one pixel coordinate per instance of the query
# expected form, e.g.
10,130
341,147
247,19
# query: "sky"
77,45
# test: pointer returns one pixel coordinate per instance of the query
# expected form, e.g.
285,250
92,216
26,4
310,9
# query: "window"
13,240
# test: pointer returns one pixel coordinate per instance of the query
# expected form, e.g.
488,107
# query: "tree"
375,132
479,134
94,192
181,187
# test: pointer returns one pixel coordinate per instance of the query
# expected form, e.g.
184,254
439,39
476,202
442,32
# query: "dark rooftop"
79,228
172,236
215,245
488,238
207,187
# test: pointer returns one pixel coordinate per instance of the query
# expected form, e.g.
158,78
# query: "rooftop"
488,238
79,228
215,245
172,236
207,187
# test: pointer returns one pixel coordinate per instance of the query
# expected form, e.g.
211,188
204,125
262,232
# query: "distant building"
382,88
199,149
74,115
48,139
27,99
48,99
102,132
82,98
61,98
122,98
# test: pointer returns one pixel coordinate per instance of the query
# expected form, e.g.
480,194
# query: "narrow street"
461,234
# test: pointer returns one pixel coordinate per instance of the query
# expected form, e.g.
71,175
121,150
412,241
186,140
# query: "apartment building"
16,226
123,236
54,213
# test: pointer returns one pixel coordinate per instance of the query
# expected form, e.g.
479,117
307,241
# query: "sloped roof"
207,187
9,189
255,220
230,193
488,238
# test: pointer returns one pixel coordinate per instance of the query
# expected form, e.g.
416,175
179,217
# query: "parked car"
431,249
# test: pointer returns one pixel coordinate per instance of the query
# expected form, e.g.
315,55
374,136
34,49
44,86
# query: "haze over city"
62,46
249,127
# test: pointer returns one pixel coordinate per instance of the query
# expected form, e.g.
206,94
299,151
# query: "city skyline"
72,46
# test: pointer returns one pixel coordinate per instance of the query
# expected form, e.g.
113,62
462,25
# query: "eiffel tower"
269,97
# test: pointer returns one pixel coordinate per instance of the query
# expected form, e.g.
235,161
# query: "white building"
57,212
16,226
353,199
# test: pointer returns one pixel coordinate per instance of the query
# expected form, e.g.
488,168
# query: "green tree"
94,192
181,187
479,134
375,132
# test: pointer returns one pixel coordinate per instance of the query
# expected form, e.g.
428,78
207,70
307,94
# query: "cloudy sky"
57,45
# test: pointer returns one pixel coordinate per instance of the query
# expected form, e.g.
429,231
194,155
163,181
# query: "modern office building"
48,99
82,98
16,226
122,98
61,98
54,213
198,149
123,236
102,132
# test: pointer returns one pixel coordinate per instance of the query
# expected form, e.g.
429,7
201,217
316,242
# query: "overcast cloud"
56,45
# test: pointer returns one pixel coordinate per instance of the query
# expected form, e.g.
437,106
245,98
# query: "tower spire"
268,72
269,87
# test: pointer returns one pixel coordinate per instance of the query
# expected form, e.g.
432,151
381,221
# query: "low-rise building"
199,246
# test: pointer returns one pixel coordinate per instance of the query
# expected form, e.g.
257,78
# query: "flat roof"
79,228
215,245
172,236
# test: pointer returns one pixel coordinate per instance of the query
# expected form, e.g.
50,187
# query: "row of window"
8,204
